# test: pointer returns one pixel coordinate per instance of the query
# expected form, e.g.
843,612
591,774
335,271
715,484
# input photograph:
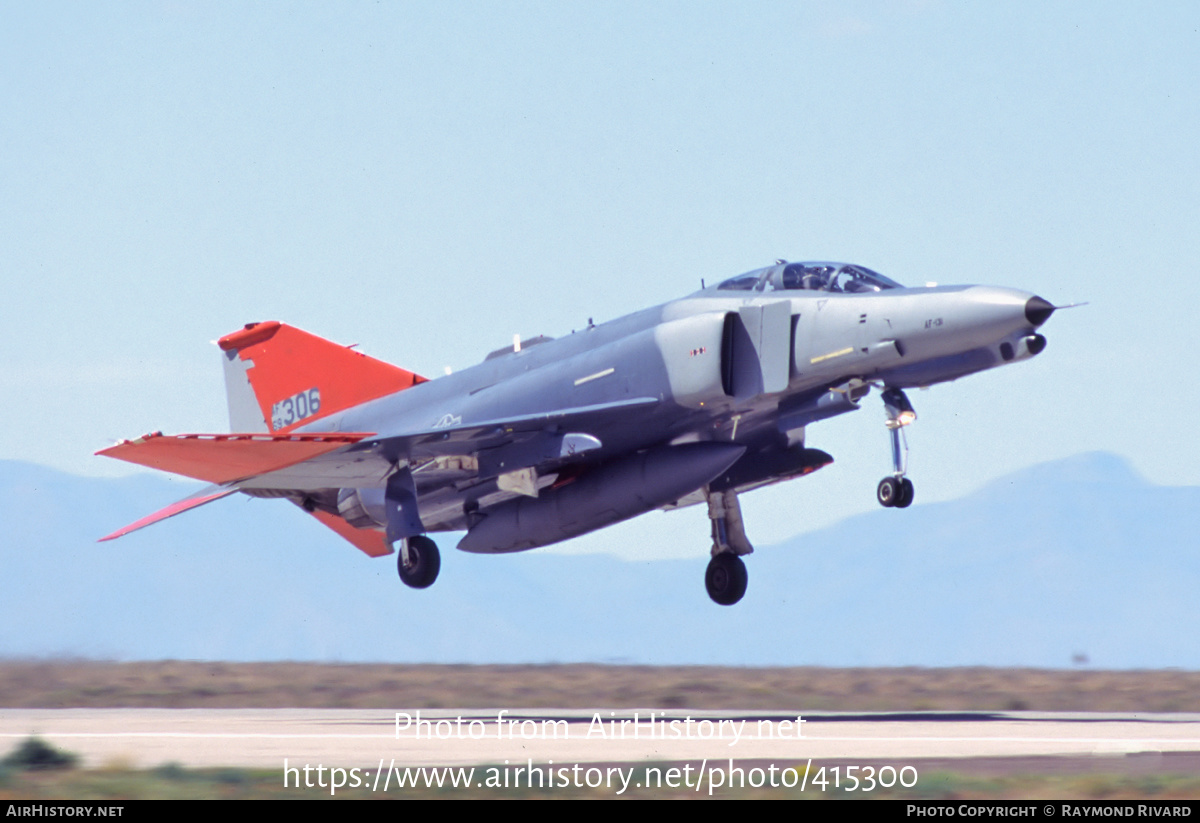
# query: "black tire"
888,492
905,499
425,561
726,578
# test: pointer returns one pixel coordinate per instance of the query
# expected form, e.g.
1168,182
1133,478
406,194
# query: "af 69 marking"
299,406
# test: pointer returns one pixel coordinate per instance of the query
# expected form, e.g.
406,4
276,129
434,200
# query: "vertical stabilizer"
278,377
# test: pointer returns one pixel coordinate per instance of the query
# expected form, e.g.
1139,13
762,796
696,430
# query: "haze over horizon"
1074,558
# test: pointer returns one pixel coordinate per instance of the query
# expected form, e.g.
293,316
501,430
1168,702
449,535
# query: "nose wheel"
896,491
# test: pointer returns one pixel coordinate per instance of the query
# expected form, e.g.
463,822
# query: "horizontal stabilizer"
226,458
199,499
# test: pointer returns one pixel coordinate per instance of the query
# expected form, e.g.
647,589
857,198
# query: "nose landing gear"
896,491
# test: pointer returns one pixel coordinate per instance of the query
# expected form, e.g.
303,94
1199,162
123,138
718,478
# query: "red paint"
169,511
366,540
287,361
225,458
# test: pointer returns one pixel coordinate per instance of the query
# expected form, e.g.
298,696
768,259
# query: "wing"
337,459
310,468
473,439
199,499
227,458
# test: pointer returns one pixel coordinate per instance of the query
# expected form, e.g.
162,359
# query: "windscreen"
846,278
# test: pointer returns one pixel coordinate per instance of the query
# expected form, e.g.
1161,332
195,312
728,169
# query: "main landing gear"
896,491
726,576
418,562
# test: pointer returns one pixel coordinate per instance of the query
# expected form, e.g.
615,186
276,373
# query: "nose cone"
1038,311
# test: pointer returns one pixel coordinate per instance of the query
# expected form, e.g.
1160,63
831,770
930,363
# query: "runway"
264,738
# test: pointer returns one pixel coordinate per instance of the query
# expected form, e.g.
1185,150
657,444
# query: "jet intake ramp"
758,349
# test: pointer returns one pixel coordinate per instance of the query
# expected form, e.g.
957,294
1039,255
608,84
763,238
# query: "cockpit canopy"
812,276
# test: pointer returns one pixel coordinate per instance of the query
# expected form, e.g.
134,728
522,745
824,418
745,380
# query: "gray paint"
655,377
244,413
619,490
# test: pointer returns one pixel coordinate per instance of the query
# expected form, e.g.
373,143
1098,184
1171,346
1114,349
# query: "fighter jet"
693,402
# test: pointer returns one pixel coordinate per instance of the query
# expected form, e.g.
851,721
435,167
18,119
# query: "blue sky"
427,179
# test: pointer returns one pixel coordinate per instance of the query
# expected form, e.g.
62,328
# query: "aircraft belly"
443,511
338,470
940,369
602,496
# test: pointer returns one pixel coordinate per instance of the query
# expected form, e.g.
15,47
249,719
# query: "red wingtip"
169,511
224,458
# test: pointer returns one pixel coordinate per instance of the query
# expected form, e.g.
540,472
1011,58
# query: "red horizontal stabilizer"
206,496
299,378
366,540
224,458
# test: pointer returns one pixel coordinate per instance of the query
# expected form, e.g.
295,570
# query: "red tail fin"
297,377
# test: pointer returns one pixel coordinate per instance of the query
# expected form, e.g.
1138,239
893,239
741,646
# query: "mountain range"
1074,562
